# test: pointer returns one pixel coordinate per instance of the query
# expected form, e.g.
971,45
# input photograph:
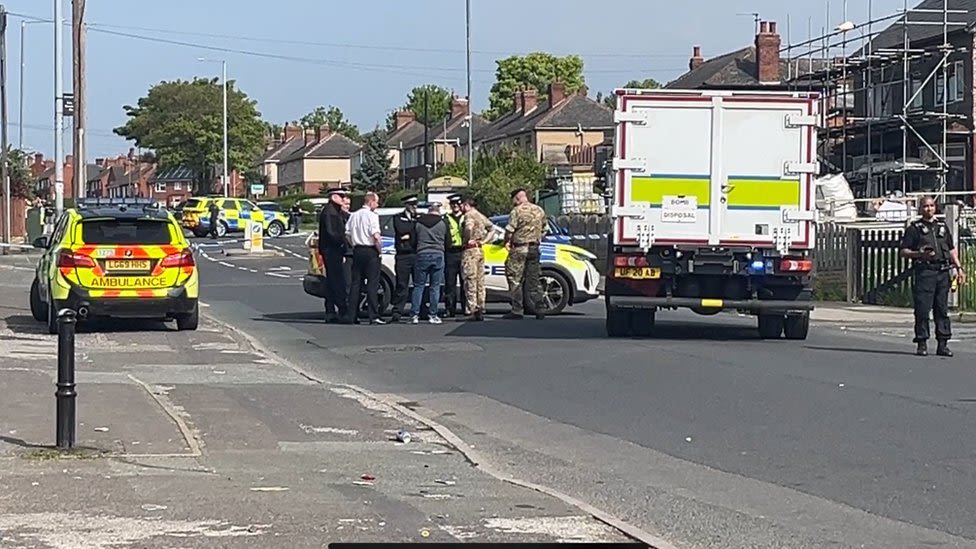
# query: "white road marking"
252,270
243,268
225,264
279,275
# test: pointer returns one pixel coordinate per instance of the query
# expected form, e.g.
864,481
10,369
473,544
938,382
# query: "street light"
225,179
23,66
467,33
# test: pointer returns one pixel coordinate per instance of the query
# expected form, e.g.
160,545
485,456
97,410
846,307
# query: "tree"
19,173
334,118
535,70
273,130
182,122
376,169
497,175
438,103
647,84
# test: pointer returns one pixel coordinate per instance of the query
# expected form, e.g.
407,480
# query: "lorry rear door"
715,168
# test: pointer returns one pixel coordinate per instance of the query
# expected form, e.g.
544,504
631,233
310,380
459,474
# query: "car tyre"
189,321
221,229
275,229
555,290
796,326
36,304
52,318
771,326
618,323
383,298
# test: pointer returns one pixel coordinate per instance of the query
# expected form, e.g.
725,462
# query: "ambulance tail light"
179,259
796,265
72,260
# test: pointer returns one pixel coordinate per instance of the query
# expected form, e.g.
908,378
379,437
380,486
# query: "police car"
568,275
233,217
116,258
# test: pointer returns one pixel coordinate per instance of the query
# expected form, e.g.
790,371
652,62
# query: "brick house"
171,186
324,160
292,139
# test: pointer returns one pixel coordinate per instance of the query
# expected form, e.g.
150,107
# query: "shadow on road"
908,351
594,328
25,324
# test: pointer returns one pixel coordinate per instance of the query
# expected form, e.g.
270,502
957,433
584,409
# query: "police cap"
454,198
409,200
340,191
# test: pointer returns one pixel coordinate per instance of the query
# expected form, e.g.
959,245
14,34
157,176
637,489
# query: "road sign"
255,231
257,188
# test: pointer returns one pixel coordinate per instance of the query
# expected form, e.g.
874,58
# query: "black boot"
923,349
943,349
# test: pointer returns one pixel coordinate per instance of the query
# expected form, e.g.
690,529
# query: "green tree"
334,118
376,170
647,84
438,103
182,123
497,175
273,130
21,181
535,70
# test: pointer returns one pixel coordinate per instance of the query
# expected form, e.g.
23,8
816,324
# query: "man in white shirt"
363,233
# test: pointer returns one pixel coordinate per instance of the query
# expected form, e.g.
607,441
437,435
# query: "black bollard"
65,393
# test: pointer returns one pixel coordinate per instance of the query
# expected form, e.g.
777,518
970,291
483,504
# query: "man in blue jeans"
429,266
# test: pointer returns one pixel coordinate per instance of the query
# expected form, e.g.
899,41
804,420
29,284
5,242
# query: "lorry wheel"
642,323
797,326
771,326
618,323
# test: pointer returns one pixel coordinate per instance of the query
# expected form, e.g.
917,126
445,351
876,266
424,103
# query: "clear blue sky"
370,52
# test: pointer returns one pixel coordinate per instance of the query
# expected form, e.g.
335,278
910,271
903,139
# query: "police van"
568,275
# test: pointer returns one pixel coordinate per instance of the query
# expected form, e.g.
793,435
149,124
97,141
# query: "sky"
365,56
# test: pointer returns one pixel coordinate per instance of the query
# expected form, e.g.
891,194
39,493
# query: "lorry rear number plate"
638,273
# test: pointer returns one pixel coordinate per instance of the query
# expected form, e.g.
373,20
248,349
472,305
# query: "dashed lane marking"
225,264
279,275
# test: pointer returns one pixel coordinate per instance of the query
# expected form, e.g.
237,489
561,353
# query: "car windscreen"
192,204
125,231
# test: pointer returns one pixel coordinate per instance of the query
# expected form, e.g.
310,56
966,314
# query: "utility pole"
223,77
467,32
426,139
78,87
4,171
58,108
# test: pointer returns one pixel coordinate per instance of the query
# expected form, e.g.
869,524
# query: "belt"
520,244
363,247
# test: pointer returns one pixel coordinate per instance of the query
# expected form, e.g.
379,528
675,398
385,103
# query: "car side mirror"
40,242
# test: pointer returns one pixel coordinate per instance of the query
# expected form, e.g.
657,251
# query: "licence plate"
637,273
127,264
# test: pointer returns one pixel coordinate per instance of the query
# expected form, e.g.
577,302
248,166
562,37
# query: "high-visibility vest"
455,225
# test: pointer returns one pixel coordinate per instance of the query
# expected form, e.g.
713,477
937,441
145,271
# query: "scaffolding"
926,38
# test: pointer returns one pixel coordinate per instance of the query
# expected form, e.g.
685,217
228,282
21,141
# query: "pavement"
703,435
204,439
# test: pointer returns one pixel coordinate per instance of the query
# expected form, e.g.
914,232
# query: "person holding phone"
928,243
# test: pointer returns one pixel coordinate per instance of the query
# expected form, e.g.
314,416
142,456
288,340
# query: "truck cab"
713,208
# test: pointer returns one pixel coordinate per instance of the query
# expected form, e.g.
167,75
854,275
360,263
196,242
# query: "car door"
232,214
495,255
49,258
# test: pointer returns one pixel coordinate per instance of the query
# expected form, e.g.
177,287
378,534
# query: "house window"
160,187
880,99
178,186
956,84
918,100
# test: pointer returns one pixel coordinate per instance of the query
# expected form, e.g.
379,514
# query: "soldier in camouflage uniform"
526,227
475,232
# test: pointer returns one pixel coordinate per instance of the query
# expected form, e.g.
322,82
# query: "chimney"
459,107
583,91
557,92
530,99
100,162
767,53
38,158
403,118
69,160
324,132
309,136
518,100
292,131
696,58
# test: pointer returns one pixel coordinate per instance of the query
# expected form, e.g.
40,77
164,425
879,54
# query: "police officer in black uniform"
333,247
928,243
452,256
405,244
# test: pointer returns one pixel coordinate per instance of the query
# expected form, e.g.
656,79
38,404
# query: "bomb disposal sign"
679,209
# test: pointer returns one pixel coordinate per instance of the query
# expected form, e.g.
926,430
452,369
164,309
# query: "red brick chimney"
518,101
324,132
292,131
767,53
530,99
309,136
557,92
403,118
459,107
583,91
69,160
696,58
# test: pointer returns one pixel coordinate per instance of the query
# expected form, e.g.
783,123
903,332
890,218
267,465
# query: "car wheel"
384,295
221,229
555,293
189,321
771,326
52,318
618,323
36,305
797,326
275,229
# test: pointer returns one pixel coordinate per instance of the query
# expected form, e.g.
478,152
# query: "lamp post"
467,33
225,179
23,67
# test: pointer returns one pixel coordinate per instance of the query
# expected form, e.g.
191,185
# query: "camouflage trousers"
473,279
522,272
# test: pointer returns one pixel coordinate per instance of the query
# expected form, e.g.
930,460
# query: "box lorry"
713,207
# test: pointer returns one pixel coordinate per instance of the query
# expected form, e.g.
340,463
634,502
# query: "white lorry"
713,207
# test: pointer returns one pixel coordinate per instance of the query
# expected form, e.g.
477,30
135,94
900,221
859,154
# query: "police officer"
454,244
523,235
333,247
928,243
405,244
214,218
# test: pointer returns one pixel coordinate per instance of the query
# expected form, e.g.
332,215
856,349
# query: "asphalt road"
704,434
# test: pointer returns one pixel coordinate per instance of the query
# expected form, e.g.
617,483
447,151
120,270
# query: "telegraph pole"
4,172
78,87
426,139
467,34
58,108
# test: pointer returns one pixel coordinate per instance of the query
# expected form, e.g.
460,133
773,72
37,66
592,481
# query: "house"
324,160
268,163
877,160
405,130
564,131
129,180
172,186
445,143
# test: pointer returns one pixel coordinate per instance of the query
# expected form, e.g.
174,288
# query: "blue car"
555,234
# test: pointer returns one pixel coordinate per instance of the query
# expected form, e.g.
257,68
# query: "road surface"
704,435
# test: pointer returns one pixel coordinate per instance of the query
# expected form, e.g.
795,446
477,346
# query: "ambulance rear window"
125,231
